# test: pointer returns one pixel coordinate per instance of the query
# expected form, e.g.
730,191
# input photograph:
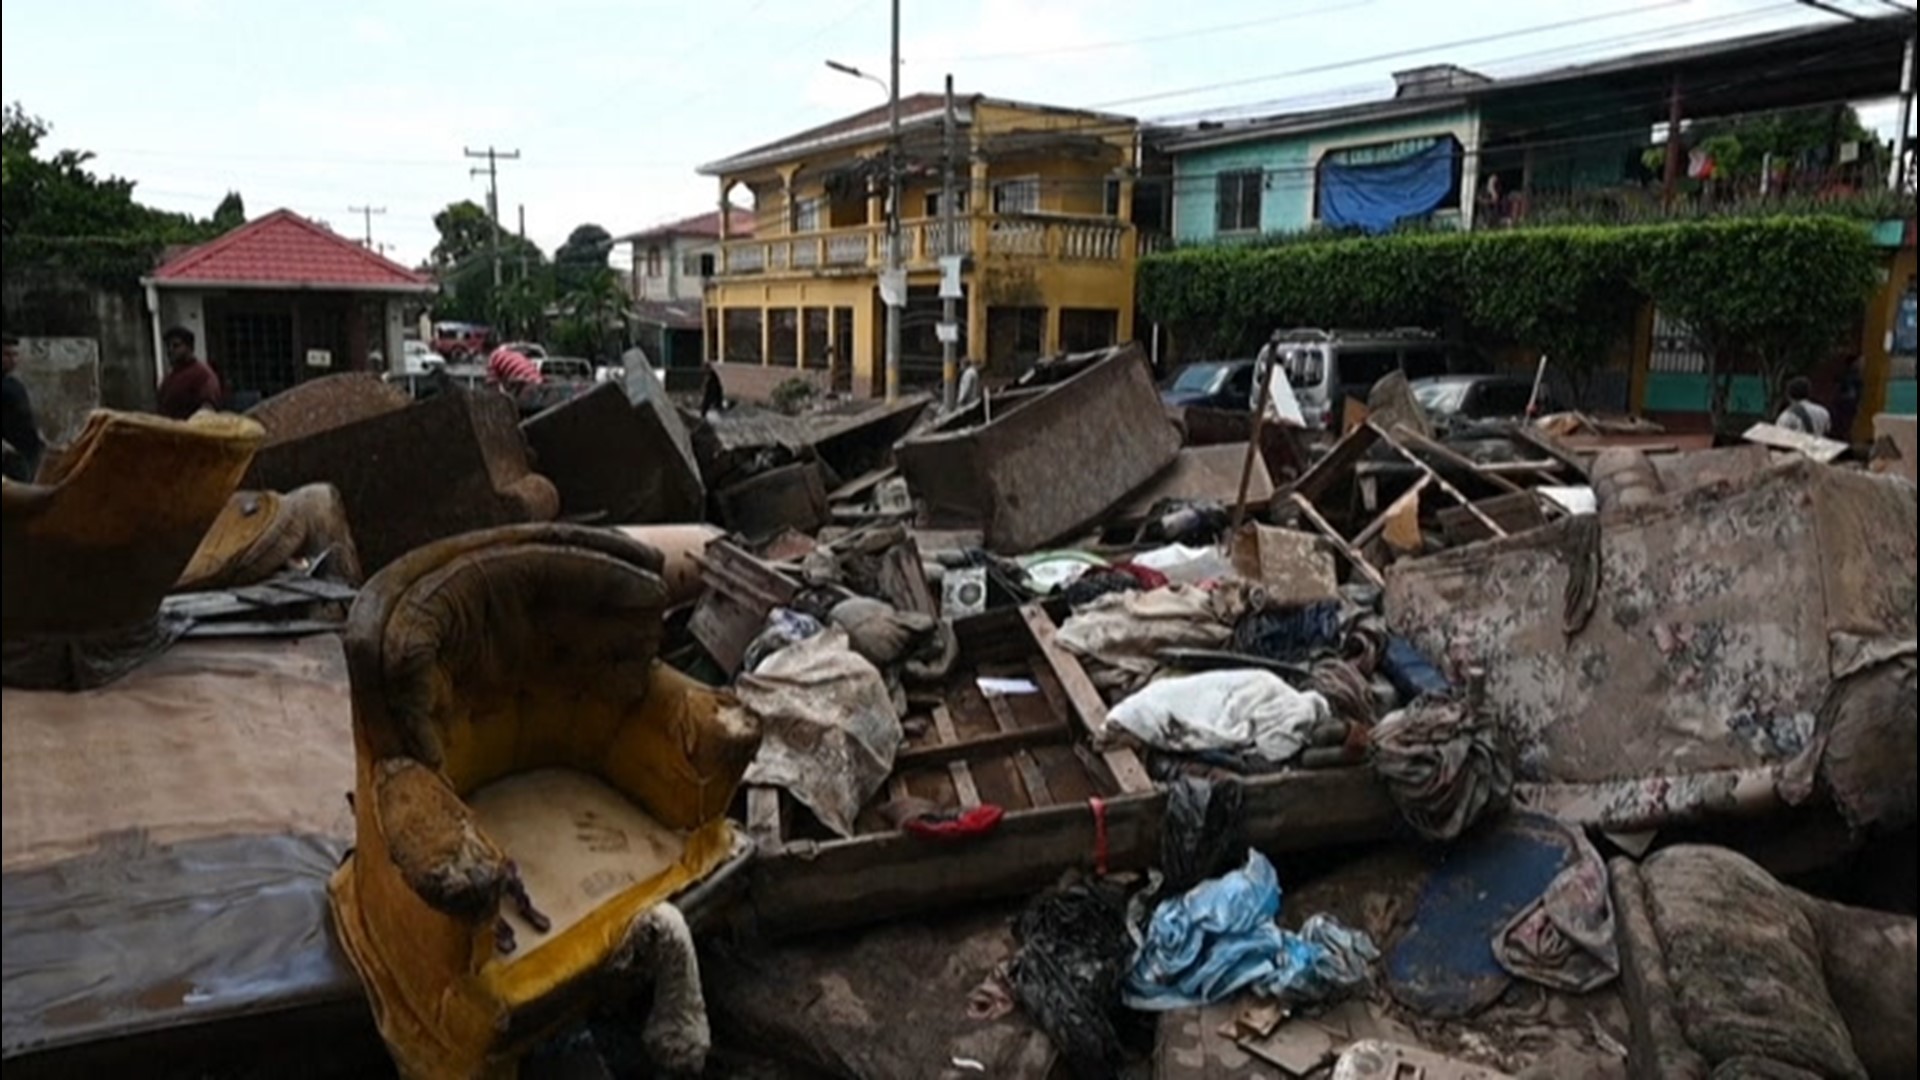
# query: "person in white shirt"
1802,413
969,390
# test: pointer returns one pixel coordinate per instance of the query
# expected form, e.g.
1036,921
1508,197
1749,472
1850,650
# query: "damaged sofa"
532,783
96,543
407,474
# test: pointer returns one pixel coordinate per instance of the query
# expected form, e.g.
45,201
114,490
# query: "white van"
1325,367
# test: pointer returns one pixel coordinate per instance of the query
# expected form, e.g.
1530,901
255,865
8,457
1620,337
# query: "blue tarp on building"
1375,197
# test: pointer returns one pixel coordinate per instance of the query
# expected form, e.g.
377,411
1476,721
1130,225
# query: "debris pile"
1096,684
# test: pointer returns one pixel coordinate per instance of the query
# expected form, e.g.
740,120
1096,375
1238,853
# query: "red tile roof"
284,249
700,225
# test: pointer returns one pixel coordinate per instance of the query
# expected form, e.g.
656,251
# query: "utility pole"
949,333
1897,176
493,159
366,214
523,241
1670,183
893,270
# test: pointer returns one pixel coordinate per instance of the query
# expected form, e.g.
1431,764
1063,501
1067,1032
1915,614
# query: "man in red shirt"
511,371
191,384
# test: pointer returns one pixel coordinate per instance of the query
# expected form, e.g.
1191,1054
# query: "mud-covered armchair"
95,543
531,780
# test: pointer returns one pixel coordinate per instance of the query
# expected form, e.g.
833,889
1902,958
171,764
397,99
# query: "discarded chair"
531,782
95,544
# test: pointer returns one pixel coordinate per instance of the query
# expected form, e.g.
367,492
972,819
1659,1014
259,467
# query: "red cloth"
1149,578
978,821
187,389
508,368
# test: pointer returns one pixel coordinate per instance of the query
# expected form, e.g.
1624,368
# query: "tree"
582,257
231,213
595,312
55,212
465,233
1741,146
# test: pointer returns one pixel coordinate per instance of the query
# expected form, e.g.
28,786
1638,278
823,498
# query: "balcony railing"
924,241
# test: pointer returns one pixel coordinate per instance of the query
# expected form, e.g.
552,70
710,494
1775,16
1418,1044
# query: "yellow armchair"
95,543
531,780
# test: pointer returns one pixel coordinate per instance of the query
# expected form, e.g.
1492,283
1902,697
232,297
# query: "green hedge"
1777,293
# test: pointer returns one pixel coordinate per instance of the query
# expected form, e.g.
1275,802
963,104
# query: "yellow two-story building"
1042,216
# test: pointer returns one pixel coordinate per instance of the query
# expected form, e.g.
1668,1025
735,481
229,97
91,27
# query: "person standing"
713,393
968,391
17,423
191,384
1802,413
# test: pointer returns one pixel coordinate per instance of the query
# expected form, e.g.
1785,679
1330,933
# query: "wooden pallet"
1067,805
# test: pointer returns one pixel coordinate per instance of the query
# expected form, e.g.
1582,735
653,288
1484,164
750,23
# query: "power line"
493,158
1155,39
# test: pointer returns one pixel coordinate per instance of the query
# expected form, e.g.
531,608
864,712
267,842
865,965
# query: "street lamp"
891,273
849,69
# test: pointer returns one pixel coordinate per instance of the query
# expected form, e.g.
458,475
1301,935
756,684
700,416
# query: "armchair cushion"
515,731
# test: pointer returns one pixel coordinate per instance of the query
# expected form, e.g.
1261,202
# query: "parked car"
459,342
1325,367
418,358
1212,384
1455,403
562,368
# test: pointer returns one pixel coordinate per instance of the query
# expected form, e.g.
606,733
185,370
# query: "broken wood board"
1065,804
1516,513
1293,567
1814,447
741,592
1200,474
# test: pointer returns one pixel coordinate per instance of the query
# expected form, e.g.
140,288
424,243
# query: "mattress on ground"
167,842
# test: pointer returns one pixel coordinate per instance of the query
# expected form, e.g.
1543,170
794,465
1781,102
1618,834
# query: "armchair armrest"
682,752
435,842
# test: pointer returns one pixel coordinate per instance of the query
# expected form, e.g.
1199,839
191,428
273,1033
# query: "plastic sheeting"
1374,198
1248,711
1220,939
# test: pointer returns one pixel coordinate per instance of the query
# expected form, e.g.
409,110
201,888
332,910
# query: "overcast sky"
322,106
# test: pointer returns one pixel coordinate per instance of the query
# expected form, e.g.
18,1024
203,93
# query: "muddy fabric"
1565,940
1203,834
1709,649
1623,477
829,724
1122,634
475,661
1867,747
1745,964
1869,958
98,542
1445,765
87,661
260,532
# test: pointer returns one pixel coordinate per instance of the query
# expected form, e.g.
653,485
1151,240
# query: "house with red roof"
283,299
672,264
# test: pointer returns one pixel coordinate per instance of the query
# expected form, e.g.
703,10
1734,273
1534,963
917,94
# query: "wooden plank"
763,817
1448,488
1033,779
1353,557
843,883
1453,457
963,786
1128,774
1379,524
1002,742
961,774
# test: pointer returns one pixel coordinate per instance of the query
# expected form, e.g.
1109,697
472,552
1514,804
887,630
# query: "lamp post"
891,272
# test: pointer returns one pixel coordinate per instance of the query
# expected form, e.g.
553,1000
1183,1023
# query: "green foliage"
55,213
465,234
792,396
1777,293
582,257
1740,145
593,316
463,259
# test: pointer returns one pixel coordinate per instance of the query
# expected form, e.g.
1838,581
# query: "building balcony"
861,249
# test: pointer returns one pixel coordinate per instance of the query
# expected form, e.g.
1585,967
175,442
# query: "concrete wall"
52,305
672,283
1289,161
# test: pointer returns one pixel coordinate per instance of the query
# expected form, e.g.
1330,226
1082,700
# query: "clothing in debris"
1292,635
784,627
1412,674
1220,939
829,726
1445,765
1122,635
1564,940
1244,711
1074,952
1203,834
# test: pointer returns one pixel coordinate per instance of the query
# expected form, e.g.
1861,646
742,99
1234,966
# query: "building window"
1087,329
1237,201
783,337
808,214
813,338
744,343
1020,196
932,207
653,262
1015,336
1112,205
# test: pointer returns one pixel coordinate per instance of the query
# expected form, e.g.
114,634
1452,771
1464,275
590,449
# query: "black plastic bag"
1074,953
1203,834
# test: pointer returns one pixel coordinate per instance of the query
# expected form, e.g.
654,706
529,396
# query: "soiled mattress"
168,840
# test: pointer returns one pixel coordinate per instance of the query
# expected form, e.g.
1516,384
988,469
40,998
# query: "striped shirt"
509,368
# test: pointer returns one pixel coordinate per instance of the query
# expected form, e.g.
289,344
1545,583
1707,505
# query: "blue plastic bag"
1221,938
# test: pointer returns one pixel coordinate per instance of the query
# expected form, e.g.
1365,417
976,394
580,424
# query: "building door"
843,350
